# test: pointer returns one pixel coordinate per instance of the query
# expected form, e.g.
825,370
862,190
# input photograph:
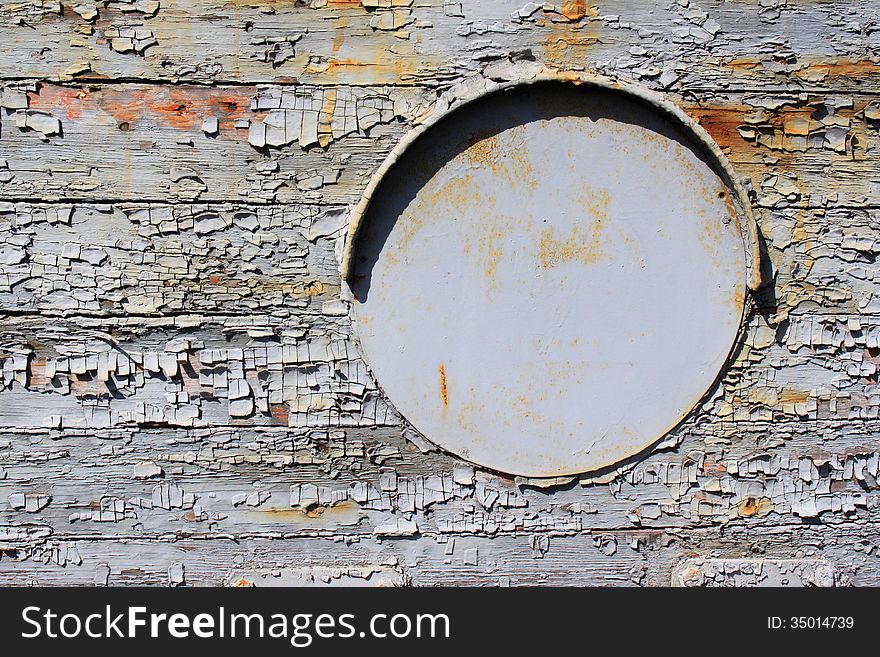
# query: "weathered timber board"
181,397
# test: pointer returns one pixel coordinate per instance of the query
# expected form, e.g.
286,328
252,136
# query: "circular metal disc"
549,279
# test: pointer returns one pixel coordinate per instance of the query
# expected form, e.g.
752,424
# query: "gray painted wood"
181,401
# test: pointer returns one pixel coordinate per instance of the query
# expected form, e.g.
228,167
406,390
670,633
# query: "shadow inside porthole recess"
550,278
468,124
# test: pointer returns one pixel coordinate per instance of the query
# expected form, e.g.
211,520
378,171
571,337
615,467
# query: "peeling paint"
183,400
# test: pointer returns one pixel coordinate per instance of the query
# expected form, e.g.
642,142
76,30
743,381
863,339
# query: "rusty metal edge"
514,75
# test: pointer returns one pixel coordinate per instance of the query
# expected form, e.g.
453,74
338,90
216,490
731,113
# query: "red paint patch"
182,108
51,97
279,413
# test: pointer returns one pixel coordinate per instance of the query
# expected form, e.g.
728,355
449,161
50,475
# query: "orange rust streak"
738,299
325,118
567,42
721,122
806,66
397,67
574,10
444,391
338,36
752,506
729,205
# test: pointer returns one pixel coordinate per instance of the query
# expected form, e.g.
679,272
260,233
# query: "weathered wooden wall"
180,398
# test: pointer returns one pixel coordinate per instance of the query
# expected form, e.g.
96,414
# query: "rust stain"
754,506
394,69
325,118
578,245
505,154
444,391
801,236
458,192
379,62
338,35
712,224
519,166
710,235
575,246
800,233
743,131
341,510
484,152
849,68
729,205
185,109
810,68
567,42
722,123
739,299
574,10
491,250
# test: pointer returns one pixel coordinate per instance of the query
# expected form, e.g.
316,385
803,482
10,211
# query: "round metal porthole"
549,276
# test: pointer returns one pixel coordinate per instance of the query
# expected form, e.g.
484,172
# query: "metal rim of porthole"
482,88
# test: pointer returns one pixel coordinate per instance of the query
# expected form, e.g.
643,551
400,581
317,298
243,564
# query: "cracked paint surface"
181,398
